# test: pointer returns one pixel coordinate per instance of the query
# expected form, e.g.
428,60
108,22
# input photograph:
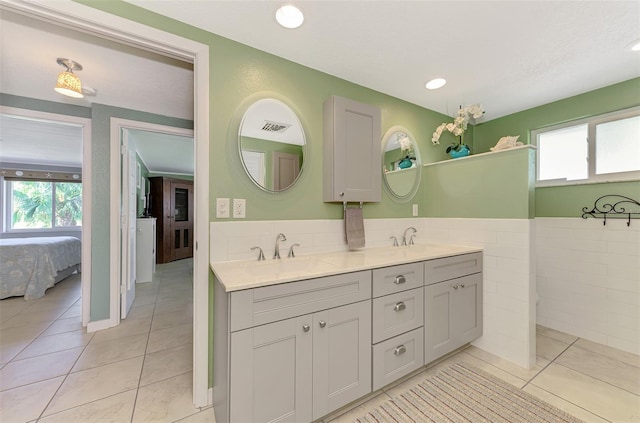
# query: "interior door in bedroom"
128,224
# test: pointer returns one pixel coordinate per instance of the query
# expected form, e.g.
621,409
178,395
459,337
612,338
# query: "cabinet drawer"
397,313
397,357
389,280
452,267
257,306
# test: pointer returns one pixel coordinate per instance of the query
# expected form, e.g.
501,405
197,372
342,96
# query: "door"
271,368
128,225
181,226
467,319
341,356
286,168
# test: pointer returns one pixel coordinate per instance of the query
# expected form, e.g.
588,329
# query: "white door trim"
86,194
85,18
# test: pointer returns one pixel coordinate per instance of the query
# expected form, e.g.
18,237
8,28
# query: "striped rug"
463,393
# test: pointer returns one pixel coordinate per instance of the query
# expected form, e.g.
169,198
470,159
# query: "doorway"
122,30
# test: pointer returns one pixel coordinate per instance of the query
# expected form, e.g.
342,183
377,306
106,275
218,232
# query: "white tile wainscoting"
588,279
509,278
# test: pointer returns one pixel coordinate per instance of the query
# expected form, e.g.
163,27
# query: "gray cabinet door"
352,148
438,331
467,319
271,368
453,315
341,356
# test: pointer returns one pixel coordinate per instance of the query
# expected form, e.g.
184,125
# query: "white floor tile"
165,401
36,369
116,408
27,402
166,363
97,383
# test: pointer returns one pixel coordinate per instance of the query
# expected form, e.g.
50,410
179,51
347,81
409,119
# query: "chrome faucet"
404,236
279,238
261,255
395,240
291,252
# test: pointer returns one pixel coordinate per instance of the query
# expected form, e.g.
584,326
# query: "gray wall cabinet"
352,164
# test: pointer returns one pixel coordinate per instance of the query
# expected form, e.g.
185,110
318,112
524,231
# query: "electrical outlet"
415,210
239,208
222,208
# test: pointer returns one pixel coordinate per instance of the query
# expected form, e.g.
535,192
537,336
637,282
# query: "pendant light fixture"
68,82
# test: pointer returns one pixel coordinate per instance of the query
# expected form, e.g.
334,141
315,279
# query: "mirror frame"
416,183
247,104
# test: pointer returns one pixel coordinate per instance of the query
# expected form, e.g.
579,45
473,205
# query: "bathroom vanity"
295,339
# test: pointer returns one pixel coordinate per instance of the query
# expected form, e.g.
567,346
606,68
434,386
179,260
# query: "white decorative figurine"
506,143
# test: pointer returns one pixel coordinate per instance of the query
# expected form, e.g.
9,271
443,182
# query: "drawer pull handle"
400,350
306,328
322,323
461,285
400,279
399,306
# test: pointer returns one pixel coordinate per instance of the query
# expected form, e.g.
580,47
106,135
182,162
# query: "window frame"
592,177
8,207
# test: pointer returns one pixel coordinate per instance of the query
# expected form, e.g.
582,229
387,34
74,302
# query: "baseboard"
98,325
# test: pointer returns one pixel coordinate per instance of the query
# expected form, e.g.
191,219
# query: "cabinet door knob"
322,323
306,328
461,285
400,279
341,194
400,306
400,350
455,286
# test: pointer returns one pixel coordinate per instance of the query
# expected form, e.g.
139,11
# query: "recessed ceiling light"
289,16
436,83
634,45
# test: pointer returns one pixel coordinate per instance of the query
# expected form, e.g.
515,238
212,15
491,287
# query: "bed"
29,266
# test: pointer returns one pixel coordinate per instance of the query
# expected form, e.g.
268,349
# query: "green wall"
566,201
476,186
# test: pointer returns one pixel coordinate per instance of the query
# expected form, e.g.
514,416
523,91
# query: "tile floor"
140,371
51,370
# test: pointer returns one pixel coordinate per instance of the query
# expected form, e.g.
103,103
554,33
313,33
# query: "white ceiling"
164,153
507,55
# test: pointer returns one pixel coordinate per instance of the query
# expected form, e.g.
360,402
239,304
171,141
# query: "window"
600,149
34,204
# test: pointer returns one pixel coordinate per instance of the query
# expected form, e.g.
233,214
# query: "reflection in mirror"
401,163
271,143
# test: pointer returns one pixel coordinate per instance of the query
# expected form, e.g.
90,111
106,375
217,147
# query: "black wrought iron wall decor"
613,207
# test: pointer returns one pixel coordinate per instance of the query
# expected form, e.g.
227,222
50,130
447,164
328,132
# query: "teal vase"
405,163
462,152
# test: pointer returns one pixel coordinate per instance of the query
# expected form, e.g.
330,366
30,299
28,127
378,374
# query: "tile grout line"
550,362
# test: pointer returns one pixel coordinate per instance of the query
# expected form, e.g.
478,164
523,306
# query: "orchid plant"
458,126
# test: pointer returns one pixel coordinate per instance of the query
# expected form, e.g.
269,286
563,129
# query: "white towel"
354,227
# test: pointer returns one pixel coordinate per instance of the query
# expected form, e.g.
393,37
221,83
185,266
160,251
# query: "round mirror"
401,163
271,143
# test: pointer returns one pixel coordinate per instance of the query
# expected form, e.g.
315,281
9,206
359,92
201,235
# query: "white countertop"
245,274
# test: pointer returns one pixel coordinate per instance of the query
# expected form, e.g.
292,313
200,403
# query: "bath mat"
463,393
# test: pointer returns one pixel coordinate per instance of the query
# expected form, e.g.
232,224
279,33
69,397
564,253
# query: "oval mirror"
401,163
271,143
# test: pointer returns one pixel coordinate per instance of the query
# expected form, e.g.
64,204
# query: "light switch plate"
415,210
239,208
222,208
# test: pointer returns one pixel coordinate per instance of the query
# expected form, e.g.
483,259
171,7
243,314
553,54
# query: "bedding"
29,266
